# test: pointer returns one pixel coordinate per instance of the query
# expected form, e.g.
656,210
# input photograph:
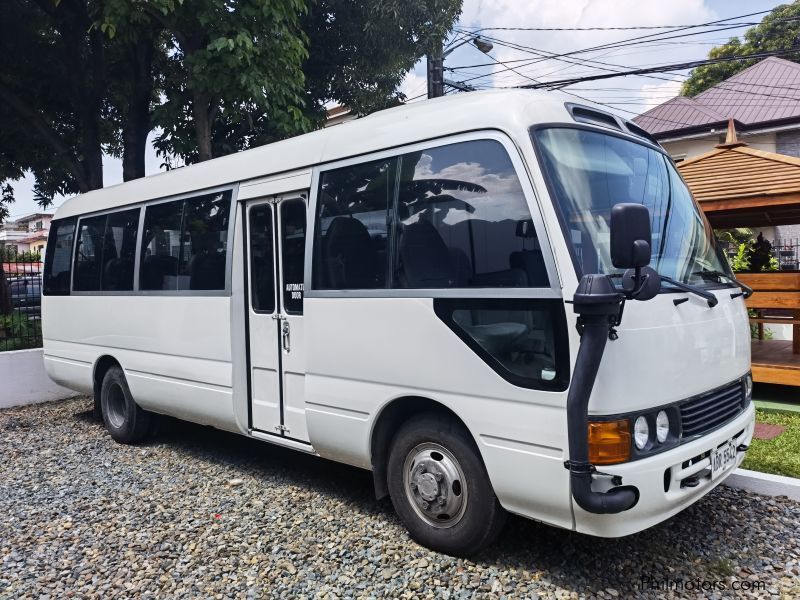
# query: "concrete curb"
23,379
764,483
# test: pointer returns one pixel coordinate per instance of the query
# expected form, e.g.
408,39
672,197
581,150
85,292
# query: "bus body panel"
667,353
401,349
175,350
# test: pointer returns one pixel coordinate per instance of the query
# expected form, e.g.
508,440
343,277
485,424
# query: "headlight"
748,386
641,432
662,426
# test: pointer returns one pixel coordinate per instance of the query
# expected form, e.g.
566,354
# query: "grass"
780,455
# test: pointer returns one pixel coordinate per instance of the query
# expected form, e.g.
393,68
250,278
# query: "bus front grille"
708,411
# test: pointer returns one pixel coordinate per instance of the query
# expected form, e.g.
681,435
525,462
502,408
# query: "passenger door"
277,229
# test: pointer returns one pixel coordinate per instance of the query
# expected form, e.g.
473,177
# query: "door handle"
285,337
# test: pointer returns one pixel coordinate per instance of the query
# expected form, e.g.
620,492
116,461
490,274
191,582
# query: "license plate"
723,458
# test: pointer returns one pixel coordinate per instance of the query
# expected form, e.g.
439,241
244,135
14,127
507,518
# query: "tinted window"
351,238
293,249
262,250
464,221
58,260
106,252
119,250
184,244
89,254
161,246
524,341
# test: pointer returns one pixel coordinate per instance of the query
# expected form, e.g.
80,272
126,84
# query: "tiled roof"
767,91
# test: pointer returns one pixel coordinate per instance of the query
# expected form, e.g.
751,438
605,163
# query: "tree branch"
49,135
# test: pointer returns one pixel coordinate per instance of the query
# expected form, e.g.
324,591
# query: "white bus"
434,293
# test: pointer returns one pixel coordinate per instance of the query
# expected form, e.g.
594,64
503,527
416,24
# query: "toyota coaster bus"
496,302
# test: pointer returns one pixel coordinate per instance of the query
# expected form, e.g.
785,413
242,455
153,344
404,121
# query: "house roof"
766,92
737,184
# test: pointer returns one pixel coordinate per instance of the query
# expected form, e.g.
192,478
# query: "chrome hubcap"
435,485
116,406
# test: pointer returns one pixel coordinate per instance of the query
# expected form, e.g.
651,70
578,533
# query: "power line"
629,28
662,69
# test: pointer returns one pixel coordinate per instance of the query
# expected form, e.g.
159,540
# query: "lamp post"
435,60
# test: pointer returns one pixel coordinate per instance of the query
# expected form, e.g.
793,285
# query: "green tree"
81,78
779,30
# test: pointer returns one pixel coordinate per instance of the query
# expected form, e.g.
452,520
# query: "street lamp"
436,80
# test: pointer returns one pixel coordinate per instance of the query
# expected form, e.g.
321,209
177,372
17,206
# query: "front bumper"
659,479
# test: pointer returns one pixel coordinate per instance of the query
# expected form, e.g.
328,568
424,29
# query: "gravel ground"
200,513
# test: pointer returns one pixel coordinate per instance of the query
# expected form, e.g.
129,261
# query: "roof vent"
636,130
582,114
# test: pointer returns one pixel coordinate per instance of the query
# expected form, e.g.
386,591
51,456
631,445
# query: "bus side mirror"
630,236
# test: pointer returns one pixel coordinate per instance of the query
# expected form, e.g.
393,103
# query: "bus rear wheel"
124,420
440,489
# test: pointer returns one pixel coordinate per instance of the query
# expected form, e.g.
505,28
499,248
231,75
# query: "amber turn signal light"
609,442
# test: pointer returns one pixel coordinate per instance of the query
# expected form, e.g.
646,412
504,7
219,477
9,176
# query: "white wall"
685,149
23,380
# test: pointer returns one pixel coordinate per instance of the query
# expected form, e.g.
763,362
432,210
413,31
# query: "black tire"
479,519
124,420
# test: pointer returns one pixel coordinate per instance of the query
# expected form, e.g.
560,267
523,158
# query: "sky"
627,96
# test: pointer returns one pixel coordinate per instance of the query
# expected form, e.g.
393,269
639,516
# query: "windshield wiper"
708,296
748,291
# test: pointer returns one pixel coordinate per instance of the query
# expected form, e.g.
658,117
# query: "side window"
524,341
119,250
161,246
463,221
293,250
89,254
351,241
106,251
58,258
262,262
184,244
205,242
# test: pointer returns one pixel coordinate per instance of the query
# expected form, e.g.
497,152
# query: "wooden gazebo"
738,186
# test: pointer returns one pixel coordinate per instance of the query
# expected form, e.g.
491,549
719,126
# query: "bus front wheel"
124,420
439,486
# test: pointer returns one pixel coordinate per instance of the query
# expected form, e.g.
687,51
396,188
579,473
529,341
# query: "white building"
26,234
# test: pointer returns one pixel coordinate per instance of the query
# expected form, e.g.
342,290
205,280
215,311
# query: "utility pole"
436,80
436,73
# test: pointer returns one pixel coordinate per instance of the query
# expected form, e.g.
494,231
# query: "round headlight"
662,426
748,386
641,432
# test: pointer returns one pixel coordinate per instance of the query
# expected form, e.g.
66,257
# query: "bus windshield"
588,172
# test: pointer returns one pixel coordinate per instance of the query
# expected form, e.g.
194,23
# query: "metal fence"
20,304
787,252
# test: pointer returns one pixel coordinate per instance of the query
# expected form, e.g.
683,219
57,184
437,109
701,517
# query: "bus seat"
426,259
351,258
531,263
207,271
118,274
154,269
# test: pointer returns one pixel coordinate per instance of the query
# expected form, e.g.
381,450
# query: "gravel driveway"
198,512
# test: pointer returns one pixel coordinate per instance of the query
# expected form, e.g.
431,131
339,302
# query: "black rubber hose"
590,353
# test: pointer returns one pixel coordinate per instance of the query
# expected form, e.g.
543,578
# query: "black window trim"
444,307
529,192
249,206
142,206
75,230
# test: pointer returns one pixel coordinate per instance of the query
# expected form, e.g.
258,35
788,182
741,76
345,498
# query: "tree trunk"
138,123
202,125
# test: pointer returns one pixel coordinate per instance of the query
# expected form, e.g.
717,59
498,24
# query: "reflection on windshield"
589,172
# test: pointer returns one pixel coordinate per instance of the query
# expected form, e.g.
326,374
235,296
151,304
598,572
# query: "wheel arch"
101,367
389,420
